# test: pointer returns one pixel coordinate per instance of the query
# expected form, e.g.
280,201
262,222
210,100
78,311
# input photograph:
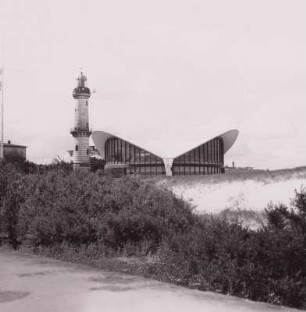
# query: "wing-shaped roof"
170,148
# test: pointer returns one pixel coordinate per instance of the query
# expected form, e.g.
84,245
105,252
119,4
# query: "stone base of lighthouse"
81,151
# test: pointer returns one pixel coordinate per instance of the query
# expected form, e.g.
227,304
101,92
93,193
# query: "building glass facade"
207,158
134,159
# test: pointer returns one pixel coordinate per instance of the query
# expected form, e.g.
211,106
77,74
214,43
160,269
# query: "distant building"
228,168
10,149
128,158
94,152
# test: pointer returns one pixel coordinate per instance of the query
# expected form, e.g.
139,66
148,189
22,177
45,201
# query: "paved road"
32,283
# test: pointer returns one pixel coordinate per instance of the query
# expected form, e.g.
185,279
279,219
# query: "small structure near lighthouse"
81,131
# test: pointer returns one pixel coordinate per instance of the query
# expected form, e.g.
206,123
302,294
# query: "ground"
30,283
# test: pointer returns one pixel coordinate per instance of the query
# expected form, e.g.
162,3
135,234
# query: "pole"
2,114
2,101
2,69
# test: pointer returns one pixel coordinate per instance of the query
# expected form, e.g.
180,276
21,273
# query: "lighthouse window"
76,148
86,103
87,151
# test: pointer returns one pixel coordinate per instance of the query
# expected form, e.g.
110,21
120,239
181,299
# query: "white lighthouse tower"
81,131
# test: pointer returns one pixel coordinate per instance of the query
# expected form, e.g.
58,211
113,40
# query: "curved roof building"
125,156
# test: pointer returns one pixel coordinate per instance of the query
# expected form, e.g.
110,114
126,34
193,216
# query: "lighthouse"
81,131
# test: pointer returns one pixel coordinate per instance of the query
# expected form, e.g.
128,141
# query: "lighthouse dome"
81,90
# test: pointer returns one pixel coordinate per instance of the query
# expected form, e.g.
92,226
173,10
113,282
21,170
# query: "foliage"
267,264
82,208
87,213
20,163
56,165
9,200
96,164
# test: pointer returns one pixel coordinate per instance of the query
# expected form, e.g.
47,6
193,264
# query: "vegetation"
27,167
93,216
20,164
96,164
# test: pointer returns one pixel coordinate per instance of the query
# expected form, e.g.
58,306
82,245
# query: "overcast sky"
162,68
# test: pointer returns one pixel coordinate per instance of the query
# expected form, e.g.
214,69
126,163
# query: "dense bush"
65,210
81,208
20,163
96,164
267,265
9,201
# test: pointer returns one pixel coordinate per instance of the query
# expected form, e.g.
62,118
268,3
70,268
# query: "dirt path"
32,283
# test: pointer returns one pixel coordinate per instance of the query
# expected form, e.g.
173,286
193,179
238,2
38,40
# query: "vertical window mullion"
194,162
150,160
116,150
108,157
209,157
203,153
210,154
213,150
105,151
113,158
135,158
111,149
199,162
121,156
139,159
155,161
218,151
222,147
125,152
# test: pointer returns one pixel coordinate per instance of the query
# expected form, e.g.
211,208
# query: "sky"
161,69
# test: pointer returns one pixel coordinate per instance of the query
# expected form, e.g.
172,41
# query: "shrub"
66,211
266,265
11,197
96,164
84,208
20,163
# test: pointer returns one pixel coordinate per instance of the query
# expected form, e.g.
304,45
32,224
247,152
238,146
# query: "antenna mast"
2,105
2,113
2,69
